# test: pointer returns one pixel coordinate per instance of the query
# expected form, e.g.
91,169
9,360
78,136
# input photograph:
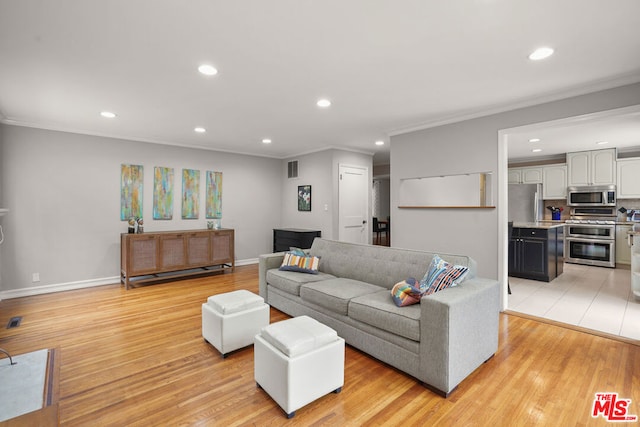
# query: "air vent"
292,169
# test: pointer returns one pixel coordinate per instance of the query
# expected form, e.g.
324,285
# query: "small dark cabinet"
284,238
536,253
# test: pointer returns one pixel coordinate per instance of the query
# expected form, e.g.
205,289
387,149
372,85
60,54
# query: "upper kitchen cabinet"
629,178
554,182
596,167
528,175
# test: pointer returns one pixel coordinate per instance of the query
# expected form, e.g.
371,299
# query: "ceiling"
620,130
386,66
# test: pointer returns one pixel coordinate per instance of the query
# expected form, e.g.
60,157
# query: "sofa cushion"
378,265
290,281
379,310
334,294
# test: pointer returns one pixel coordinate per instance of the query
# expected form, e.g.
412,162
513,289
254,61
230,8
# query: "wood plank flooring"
137,358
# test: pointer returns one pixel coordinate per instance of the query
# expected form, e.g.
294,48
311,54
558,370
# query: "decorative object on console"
213,207
131,183
190,194
162,193
304,198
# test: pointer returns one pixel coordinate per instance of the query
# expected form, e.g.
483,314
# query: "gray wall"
320,170
474,146
63,192
314,170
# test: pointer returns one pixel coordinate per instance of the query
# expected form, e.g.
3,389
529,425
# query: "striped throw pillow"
302,264
442,275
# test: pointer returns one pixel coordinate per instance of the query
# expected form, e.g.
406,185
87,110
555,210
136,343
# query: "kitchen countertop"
543,225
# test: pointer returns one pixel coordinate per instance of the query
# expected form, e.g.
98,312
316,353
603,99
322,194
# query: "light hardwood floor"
137,358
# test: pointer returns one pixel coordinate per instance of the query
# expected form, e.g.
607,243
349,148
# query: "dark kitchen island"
536,250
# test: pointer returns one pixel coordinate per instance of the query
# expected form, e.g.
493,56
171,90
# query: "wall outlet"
36,277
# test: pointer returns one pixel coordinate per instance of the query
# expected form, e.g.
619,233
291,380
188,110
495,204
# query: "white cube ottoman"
231,320
297,361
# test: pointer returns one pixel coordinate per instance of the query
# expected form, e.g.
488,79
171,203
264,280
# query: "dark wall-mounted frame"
304,198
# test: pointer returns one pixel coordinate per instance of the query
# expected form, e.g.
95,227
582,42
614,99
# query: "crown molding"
595,86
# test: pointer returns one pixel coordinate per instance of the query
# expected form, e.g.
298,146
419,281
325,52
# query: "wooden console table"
147,257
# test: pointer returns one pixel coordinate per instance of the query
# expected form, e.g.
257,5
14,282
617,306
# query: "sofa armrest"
458,331
267,262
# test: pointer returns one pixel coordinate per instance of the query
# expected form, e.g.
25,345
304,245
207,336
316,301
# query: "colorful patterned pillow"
302,264
297,251
407,292
441,275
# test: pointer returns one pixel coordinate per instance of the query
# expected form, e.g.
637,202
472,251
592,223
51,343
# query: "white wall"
63,191
474,146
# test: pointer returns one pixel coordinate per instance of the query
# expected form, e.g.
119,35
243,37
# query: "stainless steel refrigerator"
525,202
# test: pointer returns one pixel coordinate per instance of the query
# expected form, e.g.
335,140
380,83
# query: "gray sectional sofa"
439,341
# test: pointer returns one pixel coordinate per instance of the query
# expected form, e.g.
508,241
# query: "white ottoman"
231,320
297,361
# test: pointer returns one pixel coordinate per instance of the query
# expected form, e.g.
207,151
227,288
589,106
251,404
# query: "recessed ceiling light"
541,53
379,142
199,129
108,114
534,140
266,141
536,150
602,142
324,103
208,70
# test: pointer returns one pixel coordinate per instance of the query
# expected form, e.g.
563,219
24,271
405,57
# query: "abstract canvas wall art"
162,193
131,183
190,193
214,195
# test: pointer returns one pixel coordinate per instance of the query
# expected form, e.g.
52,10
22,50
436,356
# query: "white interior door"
353,201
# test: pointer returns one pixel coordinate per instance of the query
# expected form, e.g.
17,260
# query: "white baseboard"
69,286
59,287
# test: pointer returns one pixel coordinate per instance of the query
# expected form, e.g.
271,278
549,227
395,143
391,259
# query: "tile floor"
589,297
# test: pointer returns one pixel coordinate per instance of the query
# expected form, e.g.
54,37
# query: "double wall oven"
591,236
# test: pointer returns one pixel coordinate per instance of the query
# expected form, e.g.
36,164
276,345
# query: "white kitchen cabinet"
623,251
596,167
628,178
527,175
554,182
515,176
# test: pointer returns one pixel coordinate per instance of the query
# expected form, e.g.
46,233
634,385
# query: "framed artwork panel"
131,185
190,194
213,209
162,193
304,198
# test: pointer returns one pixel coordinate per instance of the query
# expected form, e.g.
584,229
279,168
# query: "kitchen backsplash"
628,204
562,204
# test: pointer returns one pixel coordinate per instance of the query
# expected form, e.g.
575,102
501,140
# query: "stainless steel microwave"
599,195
